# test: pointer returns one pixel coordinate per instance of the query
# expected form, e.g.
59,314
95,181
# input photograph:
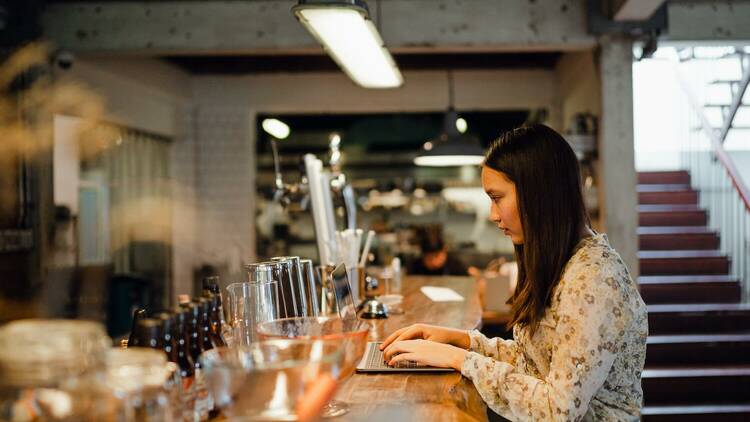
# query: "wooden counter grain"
419,397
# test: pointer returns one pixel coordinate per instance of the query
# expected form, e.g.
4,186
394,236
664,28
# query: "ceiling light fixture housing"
454,147
348,35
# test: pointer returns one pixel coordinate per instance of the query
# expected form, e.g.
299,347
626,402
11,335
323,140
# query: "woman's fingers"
402,357
406,333
394,335
389,351
401,346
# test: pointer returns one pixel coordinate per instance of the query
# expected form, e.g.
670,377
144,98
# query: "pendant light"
452,148
347,34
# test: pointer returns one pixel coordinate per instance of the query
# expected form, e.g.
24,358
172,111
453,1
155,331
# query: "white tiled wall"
214,172
225,182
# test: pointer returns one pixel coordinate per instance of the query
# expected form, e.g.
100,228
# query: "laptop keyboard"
375,360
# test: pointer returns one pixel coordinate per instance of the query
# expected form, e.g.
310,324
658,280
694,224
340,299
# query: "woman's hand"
458,338
425,352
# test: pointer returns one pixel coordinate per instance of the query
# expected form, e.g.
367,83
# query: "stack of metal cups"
296,288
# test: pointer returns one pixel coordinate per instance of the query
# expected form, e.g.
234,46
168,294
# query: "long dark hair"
547,178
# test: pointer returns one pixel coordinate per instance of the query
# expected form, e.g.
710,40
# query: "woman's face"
504,208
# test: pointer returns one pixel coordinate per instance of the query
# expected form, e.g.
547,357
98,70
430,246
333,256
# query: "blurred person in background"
435,259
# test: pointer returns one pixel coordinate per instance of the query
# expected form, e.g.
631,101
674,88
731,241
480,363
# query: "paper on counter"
441,294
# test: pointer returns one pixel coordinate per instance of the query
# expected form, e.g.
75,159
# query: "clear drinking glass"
275,380
250,304
350,335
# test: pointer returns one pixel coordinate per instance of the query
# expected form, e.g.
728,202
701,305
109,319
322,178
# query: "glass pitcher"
250,304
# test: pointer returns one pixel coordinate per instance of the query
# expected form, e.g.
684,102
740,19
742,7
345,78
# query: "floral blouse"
584,361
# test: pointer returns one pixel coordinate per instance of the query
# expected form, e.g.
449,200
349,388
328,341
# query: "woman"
579,323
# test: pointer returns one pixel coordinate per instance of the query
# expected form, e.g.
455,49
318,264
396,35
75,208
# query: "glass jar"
144,384
52,370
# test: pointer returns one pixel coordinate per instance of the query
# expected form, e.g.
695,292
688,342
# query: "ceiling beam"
636,10
709,21
268,27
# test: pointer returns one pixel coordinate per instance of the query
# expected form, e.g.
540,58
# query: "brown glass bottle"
215,321
205,321
212,291
184,359
148,333
169,331
185,362
138,315
194,312
195,339
210,285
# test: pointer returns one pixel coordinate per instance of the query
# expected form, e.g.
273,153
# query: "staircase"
698,356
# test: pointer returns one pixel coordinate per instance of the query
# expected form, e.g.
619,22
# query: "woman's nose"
494,215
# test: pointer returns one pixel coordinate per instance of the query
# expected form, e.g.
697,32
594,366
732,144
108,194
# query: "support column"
616,150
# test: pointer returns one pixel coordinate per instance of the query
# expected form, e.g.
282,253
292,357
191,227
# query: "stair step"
666,187
734,412
668,208
689,289
677,237
690,215
687,384
685,196
673,262
661,177
674,230
694,349
698,318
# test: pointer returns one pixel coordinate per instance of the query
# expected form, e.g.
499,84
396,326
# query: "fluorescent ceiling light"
448,160
276,128
348,35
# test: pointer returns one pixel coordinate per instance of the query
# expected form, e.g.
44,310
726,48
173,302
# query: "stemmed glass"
275,380
350,334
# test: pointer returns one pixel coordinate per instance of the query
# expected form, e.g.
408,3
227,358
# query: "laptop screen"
343,293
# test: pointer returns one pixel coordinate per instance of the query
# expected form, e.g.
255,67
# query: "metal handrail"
736,98
723,192
716,143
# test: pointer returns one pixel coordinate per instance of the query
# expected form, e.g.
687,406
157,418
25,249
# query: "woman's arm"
593,314
496,348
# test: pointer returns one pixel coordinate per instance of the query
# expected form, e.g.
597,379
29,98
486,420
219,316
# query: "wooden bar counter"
413,396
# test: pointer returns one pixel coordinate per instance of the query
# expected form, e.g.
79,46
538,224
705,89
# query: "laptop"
372,360
342,293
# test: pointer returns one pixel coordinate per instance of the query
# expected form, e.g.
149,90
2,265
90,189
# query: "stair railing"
723,193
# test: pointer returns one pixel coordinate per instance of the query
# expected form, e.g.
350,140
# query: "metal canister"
311,290
288,272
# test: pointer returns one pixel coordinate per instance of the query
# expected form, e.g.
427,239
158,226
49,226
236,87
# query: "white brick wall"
184,208
213,166
225,184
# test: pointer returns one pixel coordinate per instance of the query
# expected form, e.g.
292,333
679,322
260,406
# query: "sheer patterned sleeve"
496,348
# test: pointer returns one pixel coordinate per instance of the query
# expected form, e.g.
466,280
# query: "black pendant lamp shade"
452,148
